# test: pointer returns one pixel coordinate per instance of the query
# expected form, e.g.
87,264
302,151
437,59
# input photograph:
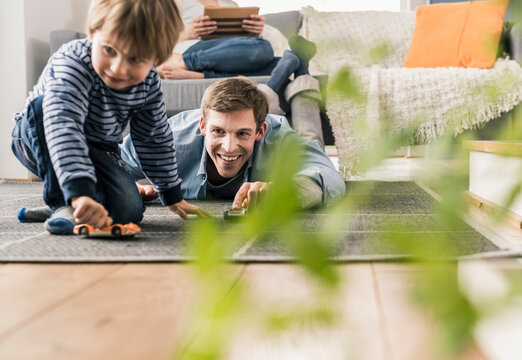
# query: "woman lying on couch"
193,58
220,57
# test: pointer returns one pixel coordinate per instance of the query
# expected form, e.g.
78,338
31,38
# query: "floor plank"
354,335
139,311
29,290
409,328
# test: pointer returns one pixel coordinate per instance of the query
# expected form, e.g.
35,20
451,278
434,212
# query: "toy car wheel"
84,230
116,231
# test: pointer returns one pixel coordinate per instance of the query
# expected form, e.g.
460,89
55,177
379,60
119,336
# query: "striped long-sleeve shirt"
79,109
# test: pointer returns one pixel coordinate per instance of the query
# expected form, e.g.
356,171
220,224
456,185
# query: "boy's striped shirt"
80,109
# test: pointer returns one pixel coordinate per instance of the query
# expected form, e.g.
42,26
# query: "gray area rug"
365,237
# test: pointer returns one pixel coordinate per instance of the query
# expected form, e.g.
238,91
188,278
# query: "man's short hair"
149,28
233,94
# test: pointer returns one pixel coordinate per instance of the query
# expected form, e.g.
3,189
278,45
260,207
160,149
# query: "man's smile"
229,158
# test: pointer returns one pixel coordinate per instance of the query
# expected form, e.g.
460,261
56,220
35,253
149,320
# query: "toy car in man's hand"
115,230
234,214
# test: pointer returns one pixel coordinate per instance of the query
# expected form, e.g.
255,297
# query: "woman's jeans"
231,56
115,187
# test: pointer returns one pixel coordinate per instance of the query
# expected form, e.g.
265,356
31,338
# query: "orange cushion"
457,34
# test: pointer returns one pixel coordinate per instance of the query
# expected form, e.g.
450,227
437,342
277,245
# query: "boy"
75,116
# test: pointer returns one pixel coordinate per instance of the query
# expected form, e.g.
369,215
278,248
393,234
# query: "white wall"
42,17
24,33
493,177
13,81
270,6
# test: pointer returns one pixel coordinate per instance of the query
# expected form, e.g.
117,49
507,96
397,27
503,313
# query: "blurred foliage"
222,298
285,318
345,84
215,317
437,289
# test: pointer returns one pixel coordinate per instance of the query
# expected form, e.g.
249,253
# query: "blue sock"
59,226
21,215
61,222
39,214
285,67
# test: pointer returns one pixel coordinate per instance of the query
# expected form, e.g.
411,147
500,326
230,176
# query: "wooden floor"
143,311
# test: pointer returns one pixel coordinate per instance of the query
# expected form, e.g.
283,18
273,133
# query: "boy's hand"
89,211
147,192
249,194
183,208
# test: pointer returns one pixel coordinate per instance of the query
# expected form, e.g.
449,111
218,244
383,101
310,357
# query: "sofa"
347,35
374,101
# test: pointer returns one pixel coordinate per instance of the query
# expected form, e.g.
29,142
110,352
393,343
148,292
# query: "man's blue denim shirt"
192,157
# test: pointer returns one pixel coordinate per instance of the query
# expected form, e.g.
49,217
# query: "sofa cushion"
278,41
287,22
59,37
357,38
181,95
457,34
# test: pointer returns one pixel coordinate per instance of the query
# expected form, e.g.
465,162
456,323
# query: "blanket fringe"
418,105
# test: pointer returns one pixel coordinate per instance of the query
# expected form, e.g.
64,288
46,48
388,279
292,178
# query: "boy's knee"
126,209
126,213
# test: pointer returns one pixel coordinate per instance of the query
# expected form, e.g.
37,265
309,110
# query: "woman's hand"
255,24
202,25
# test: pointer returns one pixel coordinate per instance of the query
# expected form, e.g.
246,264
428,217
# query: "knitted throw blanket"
420,104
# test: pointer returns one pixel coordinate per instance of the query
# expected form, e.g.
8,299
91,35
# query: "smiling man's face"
230,139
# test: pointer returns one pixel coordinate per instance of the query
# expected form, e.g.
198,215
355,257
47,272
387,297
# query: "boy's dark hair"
149,28
233,94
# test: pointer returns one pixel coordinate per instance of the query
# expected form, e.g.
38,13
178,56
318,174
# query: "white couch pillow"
353,38
276,39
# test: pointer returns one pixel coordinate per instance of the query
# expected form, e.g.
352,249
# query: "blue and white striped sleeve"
65,107
153,140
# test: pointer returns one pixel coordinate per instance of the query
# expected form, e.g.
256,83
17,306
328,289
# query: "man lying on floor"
222,150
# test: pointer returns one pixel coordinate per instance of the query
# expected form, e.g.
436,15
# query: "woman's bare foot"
175,60
179,74
174,69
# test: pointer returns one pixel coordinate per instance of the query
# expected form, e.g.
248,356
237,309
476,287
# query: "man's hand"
249,194
183,208
147,192
255,25
89,211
